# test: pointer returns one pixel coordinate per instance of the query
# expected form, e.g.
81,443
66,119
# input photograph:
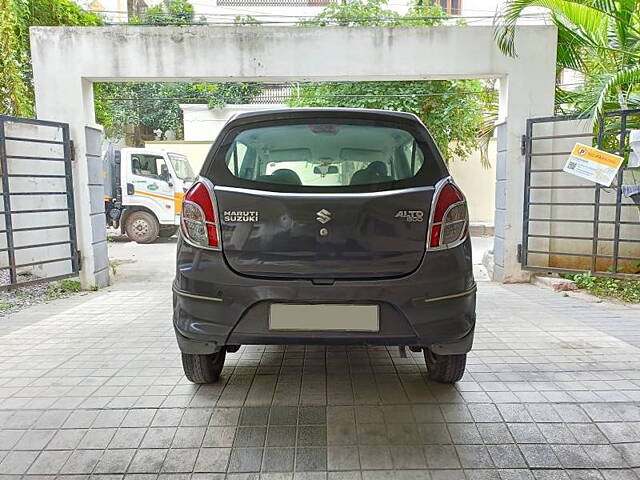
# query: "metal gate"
572,225
37,222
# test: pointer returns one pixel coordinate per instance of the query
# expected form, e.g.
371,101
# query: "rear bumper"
434,306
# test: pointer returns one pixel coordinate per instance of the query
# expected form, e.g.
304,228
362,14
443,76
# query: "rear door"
327,200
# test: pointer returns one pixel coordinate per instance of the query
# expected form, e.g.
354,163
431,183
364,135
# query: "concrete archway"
66,61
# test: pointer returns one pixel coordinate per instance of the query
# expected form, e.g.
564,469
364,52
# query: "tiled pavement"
92,386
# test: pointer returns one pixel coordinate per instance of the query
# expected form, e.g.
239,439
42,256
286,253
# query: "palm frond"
620,79
606,92
588,23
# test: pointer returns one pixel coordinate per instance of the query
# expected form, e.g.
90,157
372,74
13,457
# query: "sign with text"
593,164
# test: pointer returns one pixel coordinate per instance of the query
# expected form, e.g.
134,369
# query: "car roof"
283,113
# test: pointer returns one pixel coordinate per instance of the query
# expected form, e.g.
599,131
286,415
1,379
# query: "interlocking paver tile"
188,437
245,460
254,416
343,458
17,462
158,437
375,457
441,456
148,461
539,456
49,462
407,457
526,433
35,440
250,437
81,461
97,438
180,460
278,460
114,461
127,438
196,417
464,433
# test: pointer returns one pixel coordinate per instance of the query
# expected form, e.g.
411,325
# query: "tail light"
198,219
450,218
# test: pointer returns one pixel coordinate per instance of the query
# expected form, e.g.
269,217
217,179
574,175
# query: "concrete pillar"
524,93
501,203
97,270
72,102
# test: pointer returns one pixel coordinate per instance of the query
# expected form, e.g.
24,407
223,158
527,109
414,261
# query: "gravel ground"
19,298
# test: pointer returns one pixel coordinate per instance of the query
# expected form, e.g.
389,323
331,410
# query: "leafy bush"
62,287
16,16
606,287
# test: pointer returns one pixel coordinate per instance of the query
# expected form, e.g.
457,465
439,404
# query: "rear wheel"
142,227
203,368
445,368
168,232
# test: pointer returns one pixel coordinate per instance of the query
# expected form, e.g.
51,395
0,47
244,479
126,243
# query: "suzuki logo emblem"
323,216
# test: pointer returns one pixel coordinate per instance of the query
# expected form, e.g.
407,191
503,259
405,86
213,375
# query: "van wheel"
445,368
203,368
168,232
142,227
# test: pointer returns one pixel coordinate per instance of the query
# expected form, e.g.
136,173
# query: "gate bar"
7,208
71,206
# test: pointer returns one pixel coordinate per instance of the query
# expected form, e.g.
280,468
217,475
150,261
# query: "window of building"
452,7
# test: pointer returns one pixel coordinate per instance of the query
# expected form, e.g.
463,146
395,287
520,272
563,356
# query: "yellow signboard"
593,164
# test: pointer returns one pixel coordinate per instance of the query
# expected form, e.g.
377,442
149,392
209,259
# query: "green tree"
454,111
168,12
140,108
598,38
451,109
16,16
373,13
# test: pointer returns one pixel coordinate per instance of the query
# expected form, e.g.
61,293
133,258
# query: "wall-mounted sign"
593,164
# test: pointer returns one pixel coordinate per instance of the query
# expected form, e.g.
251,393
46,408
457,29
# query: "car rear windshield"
324,155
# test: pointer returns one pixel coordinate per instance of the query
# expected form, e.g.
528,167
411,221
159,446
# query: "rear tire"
168,232
445,368
142,227
203,368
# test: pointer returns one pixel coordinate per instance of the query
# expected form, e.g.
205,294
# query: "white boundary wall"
66,61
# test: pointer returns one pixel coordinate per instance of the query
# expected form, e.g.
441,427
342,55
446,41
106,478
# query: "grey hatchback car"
326,227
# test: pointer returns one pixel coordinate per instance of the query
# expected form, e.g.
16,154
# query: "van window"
181,167
151,166
324,155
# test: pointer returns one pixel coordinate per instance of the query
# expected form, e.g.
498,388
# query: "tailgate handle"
323,281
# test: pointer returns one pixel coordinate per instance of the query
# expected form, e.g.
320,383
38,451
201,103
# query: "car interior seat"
375,172
286,176
283,176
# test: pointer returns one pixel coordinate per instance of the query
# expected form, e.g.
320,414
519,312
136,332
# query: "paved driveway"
93,385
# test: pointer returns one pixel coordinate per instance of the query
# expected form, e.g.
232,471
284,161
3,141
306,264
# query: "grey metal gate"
37,223
572,225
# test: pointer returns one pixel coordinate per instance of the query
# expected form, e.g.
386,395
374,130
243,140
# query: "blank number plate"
327,317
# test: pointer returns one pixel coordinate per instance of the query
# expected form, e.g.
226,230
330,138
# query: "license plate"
326,317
